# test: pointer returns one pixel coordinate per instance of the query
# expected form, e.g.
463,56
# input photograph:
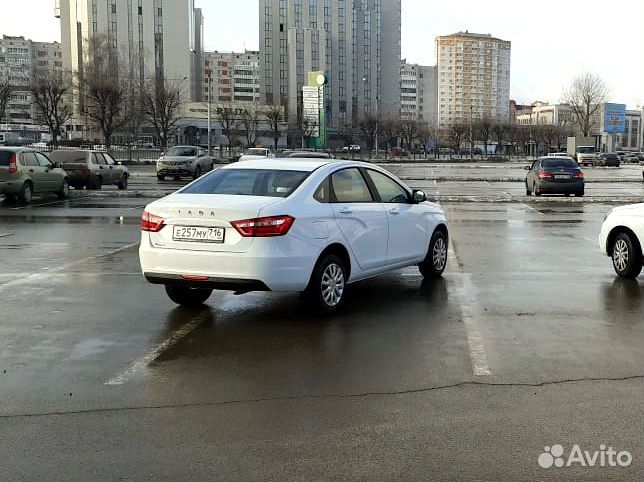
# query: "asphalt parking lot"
528,341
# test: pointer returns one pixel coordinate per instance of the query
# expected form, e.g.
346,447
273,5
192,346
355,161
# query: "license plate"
198,234
562,176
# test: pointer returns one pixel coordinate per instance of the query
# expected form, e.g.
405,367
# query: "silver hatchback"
184,161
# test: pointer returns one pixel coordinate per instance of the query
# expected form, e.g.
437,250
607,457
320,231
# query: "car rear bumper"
10,187
272,264
561,187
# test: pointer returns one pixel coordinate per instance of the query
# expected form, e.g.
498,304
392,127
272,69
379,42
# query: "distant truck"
583,150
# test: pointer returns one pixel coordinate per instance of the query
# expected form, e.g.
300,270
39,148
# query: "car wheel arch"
341,252
616,231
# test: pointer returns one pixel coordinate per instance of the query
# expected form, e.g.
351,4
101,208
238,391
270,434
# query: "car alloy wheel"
27,193
620,255
439,254
332,285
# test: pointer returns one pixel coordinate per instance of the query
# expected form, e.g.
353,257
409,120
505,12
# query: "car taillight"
545,175
264,227
151,223
13,166
579,175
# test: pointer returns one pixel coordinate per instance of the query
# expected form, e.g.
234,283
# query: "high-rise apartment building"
160,38
418,93
355,42
473,78
233,76
22,61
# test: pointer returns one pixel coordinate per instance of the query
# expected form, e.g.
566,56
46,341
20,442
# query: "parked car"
554,175
91,169
609,159
305,225
290,154
255,153
622,238
632,157
182,161
24,171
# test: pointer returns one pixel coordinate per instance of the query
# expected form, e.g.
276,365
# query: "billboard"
614,118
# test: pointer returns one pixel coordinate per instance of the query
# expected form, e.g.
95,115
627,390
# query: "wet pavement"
529,340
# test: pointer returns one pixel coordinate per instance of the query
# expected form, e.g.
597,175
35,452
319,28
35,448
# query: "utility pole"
471,136
209,112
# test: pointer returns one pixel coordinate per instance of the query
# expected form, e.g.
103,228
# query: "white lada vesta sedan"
622,238
312,226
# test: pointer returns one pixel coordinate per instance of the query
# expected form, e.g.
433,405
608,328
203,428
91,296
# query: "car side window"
108,159
28,159
42,160
100,160
535,166
348,186
322,194
390,191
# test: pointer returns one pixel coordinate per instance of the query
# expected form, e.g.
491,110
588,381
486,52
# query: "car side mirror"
527,168
57,165
419,196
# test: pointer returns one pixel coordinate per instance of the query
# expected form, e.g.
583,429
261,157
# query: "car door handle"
31,170
345,210
394,211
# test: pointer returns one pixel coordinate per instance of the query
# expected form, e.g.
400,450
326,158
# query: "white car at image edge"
311,226
622,238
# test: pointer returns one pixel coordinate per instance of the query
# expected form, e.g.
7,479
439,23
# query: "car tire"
96,184
328,285
580,193
197,173
187,296
63,193
528,192
122,185
435,261
535,190
26,193
160,177
627,256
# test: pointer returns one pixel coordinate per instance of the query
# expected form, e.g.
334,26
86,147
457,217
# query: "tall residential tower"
473,78
355,42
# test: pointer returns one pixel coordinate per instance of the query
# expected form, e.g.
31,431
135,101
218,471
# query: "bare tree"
390,130
455,134
161,101
585,95
5,94
523,137
549,134
347,134
49,93
104,90
426,133
228,121
368,127
483,130
275,117
409,132
251,126
500,135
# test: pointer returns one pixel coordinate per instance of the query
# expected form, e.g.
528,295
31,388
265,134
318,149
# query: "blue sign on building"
614,118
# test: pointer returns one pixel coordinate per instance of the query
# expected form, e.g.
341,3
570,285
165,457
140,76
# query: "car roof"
296,164
15,148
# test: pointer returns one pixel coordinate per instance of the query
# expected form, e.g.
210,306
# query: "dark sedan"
608,159
91,169
554,175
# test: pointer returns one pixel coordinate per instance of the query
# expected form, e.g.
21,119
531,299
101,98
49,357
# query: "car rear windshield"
182,151
248,182
68,157
5,157
559,163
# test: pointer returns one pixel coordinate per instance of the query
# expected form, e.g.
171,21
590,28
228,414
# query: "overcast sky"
552,40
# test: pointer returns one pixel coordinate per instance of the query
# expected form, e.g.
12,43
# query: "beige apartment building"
231,76
473,78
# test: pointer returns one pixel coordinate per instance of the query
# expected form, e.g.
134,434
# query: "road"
528,341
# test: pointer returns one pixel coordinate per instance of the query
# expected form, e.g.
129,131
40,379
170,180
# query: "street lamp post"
471,140
209,112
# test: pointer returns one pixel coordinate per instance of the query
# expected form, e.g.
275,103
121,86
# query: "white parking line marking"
478,356
155,352
39,276
531,208
6,235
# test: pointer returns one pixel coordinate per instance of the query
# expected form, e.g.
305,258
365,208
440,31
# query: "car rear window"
68,157
559,163
5,157
248,182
